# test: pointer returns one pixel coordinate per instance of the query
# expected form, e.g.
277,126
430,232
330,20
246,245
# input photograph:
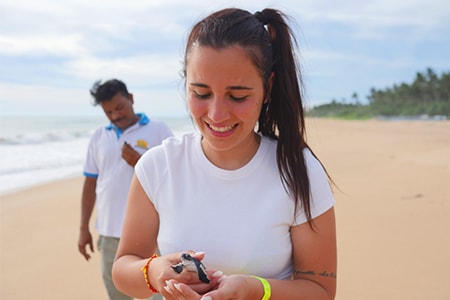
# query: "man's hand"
85,239
130,155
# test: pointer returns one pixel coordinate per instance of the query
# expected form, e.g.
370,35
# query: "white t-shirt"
104,161
240,218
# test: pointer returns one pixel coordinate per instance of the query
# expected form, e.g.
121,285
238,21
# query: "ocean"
35,150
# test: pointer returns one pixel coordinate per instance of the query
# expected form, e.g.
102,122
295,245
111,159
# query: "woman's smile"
221,129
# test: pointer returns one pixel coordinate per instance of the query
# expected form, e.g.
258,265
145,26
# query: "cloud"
55,50
44,45
379,19
151,70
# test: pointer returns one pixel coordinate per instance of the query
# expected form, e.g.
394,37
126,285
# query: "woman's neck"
235,158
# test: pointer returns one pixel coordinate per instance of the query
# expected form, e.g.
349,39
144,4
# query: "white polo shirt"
113,173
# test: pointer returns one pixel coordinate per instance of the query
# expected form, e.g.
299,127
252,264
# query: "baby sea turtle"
191,264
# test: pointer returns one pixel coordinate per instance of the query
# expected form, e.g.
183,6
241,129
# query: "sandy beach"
393,217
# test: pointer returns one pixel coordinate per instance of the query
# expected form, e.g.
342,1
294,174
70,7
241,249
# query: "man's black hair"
106,91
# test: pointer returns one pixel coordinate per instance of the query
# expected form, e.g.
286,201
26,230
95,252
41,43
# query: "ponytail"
285,110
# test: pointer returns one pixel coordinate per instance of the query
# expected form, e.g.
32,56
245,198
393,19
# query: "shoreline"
392,201
70,175
20,189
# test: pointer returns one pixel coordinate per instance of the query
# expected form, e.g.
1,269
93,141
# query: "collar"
143,120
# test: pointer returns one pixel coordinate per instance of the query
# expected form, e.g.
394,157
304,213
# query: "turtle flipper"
202,274
201,271
178,267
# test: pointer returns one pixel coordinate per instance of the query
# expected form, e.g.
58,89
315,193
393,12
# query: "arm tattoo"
313,273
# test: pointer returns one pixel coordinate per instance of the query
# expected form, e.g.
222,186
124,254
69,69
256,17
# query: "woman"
246,191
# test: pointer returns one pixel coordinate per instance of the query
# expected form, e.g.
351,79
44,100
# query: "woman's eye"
238,99
202,96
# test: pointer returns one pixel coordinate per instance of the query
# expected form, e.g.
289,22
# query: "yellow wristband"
267,289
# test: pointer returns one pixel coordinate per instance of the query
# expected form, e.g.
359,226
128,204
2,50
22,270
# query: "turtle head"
187,258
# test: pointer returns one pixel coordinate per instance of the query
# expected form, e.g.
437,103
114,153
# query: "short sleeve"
90,167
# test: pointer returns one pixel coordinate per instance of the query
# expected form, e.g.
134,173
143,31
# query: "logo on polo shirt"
142,144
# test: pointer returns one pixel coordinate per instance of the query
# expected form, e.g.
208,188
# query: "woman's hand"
190,290
227,287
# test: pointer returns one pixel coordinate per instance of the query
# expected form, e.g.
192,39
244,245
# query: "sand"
393,218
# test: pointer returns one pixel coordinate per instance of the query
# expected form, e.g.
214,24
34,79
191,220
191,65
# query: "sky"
51,51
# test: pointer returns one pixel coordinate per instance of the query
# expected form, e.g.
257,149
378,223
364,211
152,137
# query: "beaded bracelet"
266,285
145,271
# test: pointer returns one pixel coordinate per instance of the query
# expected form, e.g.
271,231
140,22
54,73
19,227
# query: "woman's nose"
218,110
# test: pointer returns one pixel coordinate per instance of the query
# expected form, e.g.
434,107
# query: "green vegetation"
428,94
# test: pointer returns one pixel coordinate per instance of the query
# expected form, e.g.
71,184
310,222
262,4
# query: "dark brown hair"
269,41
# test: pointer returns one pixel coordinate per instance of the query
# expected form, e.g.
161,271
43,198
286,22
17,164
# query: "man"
112,154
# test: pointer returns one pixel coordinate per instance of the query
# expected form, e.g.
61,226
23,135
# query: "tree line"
428,94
